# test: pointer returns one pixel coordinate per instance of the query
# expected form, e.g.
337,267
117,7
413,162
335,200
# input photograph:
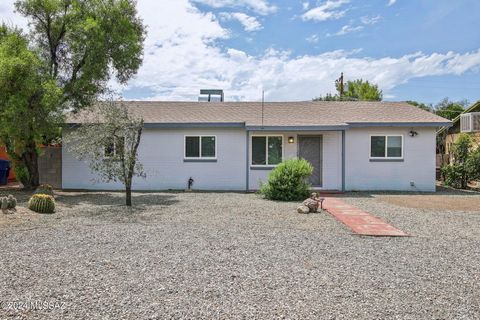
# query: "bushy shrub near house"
288,181
465,164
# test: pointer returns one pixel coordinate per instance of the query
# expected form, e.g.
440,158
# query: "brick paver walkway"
360,221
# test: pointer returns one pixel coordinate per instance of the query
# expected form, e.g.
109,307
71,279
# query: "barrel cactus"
44,189
8,204
42,203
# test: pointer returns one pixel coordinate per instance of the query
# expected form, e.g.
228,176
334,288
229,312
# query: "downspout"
343,160
247,173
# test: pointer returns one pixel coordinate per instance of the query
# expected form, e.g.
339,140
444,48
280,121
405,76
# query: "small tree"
456,174
108,138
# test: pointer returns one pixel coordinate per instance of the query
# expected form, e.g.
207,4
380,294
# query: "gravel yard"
228,256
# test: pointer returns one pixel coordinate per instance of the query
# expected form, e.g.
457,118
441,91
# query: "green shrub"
454,175
42,203
465,163
44,189
288,181
473,165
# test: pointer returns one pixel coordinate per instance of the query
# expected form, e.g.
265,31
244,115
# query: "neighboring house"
467,122
235,145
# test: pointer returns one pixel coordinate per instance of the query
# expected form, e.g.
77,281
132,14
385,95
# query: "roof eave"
298,128
399,124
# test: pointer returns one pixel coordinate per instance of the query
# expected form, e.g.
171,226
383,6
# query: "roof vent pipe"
211,95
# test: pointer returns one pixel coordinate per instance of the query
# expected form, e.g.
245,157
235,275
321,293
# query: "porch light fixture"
291,139
413,133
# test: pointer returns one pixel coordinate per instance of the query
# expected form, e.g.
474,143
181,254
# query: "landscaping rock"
311,204
303,209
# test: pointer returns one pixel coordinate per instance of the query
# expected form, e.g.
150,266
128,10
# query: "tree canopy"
356,90
449,109
28,103
445,108
82,43
74,48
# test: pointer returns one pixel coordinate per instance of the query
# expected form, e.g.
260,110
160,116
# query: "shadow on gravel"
115,199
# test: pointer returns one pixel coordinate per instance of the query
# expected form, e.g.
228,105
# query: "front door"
310,149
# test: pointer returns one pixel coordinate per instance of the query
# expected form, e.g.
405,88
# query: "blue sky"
414,50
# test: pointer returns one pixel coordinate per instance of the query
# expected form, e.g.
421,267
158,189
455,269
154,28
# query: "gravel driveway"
230,256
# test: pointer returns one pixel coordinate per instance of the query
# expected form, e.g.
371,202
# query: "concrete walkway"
360,222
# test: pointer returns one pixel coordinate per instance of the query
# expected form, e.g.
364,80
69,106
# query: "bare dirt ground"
434,202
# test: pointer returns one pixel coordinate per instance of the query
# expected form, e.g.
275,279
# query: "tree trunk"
30,160
128,195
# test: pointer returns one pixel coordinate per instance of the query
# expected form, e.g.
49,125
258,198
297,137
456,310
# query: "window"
267,150
200,147
386,147
114,146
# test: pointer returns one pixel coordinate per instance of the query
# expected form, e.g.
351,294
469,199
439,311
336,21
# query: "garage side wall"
417,167
161,152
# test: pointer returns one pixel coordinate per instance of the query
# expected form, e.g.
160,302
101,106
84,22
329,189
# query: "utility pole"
339,85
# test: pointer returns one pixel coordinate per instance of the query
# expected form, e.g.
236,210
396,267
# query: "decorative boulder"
303,209
311,204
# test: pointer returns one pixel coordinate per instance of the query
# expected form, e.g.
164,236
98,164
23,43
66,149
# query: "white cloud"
249,23
9,17
370,20
184,53
326,11
346,29
391,2
306,5
313,38
259,6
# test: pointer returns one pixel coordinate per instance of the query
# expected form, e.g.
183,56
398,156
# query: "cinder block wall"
50,166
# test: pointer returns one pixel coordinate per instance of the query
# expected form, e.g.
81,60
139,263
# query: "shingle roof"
280,114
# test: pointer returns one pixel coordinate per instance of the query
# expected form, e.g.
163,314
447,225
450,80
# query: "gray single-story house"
235,145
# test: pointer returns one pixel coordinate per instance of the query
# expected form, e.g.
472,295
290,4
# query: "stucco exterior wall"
332,157
161,152
418,165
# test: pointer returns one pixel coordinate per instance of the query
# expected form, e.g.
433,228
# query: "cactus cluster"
44,189
42,203
8,204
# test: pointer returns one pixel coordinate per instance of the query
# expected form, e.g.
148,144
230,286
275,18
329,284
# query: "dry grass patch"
434,202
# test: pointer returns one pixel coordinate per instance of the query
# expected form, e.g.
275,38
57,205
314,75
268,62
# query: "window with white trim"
386,147
200,147
267,150
113,147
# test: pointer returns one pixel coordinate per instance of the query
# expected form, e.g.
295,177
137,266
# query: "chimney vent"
211,95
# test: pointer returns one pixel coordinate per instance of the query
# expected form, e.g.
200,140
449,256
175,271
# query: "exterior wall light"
413,133
291,139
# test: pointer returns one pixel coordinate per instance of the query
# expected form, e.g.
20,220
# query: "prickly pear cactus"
42,203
